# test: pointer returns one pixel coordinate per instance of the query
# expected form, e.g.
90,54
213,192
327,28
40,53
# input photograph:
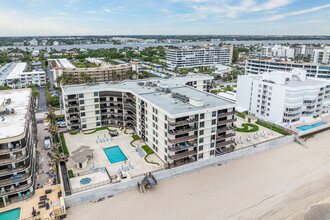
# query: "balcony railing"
181,131
73,118
226,114
226,121
110,101
20,178
17,189
184,122
182,155
71,99
225,143
182,139
225,150
12,149
220,137
14,160
227,128
181,147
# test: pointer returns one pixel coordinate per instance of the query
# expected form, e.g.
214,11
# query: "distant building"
260,66
56,43
15,56
18,136
199,57
321,55
35,53
283,97
33,42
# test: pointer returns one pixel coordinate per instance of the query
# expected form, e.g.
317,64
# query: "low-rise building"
321,55
260,66
283,97
17,146
182,124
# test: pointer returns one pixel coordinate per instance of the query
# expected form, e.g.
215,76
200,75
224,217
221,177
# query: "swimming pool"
85,181
114,154
307,127
13,214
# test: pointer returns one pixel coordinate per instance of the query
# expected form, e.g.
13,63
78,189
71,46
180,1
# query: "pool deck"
100,159
244,135
96,177
325,119
27,205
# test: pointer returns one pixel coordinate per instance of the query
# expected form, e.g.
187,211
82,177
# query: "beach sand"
281,183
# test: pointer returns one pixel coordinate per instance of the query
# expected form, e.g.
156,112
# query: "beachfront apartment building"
17,146
283,97
181,123
199,57
260,66
95,74
16,76
321,55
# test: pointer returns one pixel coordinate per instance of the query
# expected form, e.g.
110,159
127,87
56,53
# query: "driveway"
42,102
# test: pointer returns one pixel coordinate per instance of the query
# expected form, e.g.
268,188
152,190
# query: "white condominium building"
283,97
260,66
199,57
321,55
182,124
17,146
18,77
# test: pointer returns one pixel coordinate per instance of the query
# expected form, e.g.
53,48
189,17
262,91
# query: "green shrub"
149,151
240,114
57,140
70,173
135,138
65,148
272,127
74,133
100,129
246,128
57,175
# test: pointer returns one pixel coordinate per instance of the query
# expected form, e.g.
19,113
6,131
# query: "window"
213,137
83,126
214,122
97,105
214,113
201,132
96,100
97,112
165,117
201,140
81,102
202,116
165,158
213,129
212,145
83,120
98,123
165,125
81,95
82,108
200,148
97,117
201,124
96,94
211,152
200,156
83,114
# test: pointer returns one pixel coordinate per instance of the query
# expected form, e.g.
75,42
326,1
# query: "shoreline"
281,183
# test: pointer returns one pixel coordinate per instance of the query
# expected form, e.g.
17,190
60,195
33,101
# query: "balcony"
225,143
184,122
18,178
182,155
12,149
227,128
225,150
220,137
71,99
226,121
14,160
110,101
182,139
18,189
182,131
73,111
18,169
181,147
73,118
74,123
220,115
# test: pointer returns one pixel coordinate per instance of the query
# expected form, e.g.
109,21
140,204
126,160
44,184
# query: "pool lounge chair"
103,140
123,168
96,168
127,167
119,170
130,165
97,142
107,139
100,141
92,167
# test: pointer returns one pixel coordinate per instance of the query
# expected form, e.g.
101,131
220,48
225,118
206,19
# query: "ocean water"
318,212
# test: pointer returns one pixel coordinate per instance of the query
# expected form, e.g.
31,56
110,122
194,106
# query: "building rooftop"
15,72
65,63
289,62
13,124
161,91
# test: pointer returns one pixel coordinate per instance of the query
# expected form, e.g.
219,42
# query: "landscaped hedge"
149,151
135,138
240,114
74,133
246,128
70,173
57,140
100,129
272,127
65,148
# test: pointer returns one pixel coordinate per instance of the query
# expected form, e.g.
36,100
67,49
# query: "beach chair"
123,168
100,141
107,139
97,142
127,167
119,170
96,168
103,140
130,165
110,138
92,167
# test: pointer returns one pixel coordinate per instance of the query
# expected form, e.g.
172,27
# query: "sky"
167,17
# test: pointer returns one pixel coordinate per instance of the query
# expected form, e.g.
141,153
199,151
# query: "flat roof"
14,124
290,62
15,72
154,92
65,63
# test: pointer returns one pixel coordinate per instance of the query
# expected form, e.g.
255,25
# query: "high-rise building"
181,123
17,146
321,56
199,57
283,97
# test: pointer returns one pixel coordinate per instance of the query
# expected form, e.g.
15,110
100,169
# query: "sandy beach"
281,183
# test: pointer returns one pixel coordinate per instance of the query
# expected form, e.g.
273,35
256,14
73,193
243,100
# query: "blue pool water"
307,127
13,214
85,181
114,154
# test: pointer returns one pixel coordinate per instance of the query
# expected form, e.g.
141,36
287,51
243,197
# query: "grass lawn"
149,151
247,127
99,129
135,138
65,148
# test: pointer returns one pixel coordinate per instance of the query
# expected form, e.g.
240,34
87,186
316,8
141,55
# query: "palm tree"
16,81
113,75
52,129
51,114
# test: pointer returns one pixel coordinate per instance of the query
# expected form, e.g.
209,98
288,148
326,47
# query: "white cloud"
164,10
90,12
105,9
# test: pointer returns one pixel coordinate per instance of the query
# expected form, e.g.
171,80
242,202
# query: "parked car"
61,124
47,142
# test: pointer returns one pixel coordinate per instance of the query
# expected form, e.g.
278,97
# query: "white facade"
33,42
321,55
260,66
181,123
199,57
278,51
283,97
18,77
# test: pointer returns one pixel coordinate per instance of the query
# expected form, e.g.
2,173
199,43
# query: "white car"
47,142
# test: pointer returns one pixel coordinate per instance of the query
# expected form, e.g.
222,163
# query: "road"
42,102
50,78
